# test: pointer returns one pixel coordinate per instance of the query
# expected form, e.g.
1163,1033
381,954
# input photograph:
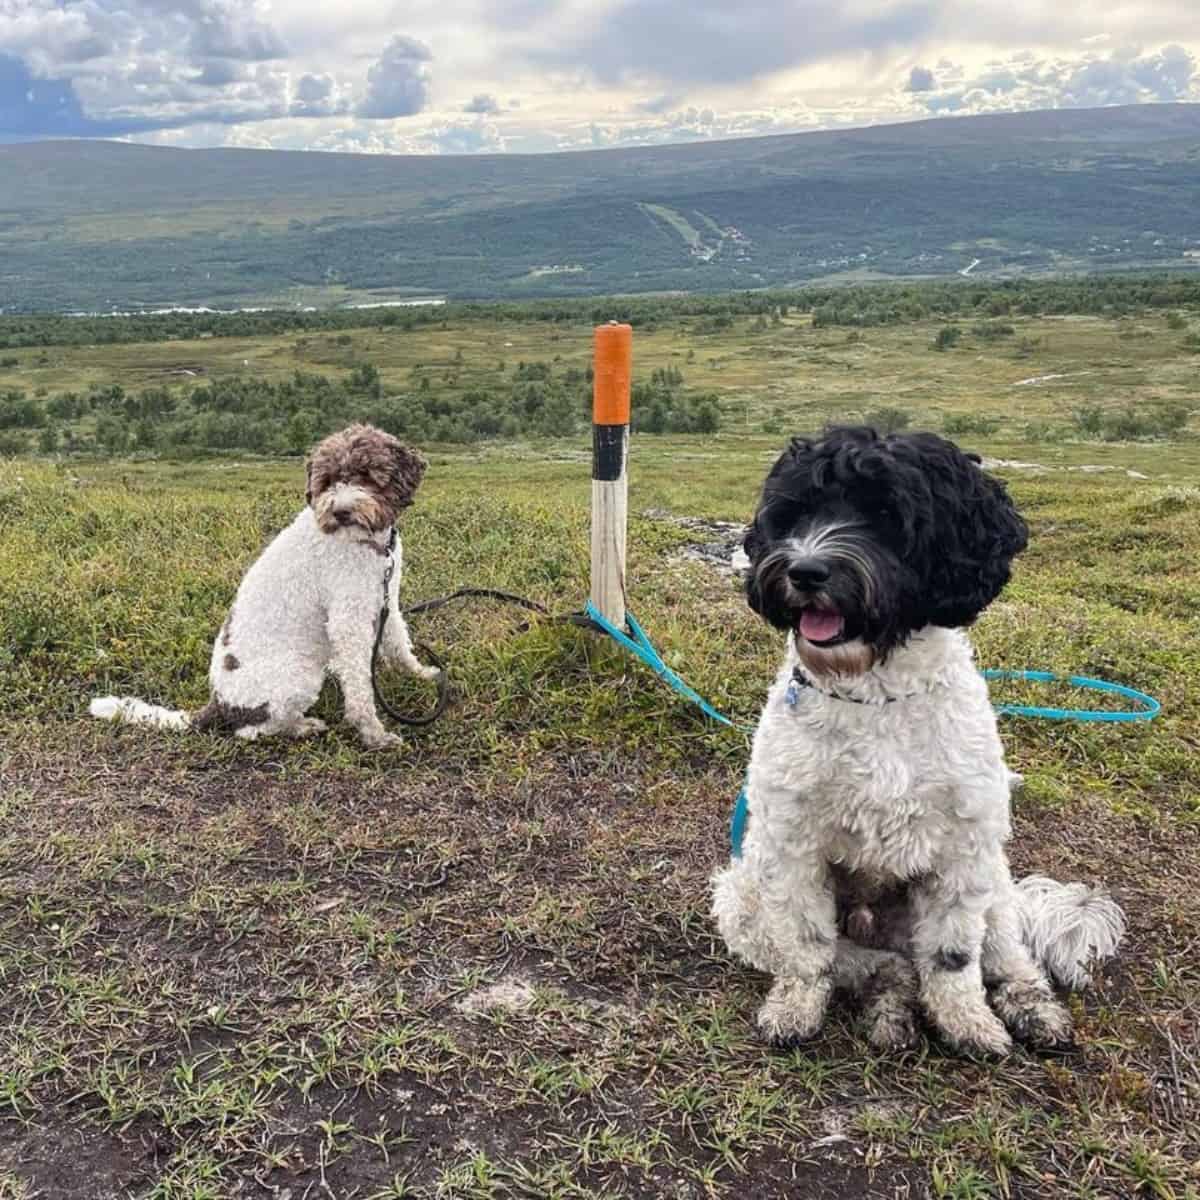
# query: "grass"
482,966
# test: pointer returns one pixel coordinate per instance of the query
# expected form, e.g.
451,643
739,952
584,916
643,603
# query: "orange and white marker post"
611,375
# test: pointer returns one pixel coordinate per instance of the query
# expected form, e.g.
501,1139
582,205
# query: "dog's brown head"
360,479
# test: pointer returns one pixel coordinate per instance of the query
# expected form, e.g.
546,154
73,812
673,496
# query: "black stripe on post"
608,452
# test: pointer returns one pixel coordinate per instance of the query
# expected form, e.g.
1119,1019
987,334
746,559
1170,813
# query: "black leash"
482,593
443,683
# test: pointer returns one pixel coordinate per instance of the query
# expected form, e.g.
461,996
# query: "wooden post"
612,369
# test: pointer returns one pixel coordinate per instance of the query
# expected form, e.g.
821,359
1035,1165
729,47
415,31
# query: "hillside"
101,224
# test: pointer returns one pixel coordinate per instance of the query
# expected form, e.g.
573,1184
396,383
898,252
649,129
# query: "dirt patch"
504,983
70,1156
509,995
718,544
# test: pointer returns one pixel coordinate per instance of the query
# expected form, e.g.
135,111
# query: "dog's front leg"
949,918
352,641
397,645
801,922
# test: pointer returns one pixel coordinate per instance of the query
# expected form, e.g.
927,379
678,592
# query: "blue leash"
638,644
1150,708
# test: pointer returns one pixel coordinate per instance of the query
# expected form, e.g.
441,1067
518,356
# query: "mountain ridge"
102,224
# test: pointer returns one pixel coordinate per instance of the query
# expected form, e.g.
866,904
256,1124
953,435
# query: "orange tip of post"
612,371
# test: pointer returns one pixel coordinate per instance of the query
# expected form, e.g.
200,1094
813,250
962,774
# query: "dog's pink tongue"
820,624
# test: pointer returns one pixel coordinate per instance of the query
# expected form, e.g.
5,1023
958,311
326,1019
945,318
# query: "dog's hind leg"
885,984
1019,990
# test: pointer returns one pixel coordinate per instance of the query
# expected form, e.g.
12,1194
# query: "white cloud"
1091,80
542,73
483,103
398,84
228,29
714,43
920,79
475,137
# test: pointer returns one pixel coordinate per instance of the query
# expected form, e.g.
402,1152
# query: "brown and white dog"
310,604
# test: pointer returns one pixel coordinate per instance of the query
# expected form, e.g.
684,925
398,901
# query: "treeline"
865,305
250,415
1095,296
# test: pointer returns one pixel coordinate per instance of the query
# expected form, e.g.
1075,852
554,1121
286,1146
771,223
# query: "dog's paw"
891,1017
975,1033
793,1011
892,1026
308,726
430,673
1034,1017
889,1005
381,739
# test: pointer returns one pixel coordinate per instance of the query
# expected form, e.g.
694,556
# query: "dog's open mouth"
821,626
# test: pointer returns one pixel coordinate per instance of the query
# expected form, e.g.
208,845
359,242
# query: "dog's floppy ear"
754,543
408,469
980,532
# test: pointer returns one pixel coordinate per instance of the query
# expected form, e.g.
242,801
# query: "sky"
493,76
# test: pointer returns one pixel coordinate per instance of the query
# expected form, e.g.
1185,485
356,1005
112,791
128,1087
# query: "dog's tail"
138,712
1067,926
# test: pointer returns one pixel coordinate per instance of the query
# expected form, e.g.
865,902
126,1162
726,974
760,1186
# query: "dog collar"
388,551
799,681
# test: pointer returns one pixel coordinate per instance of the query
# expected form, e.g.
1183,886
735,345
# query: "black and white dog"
878,792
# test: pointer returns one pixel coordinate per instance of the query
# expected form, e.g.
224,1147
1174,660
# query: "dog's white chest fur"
876,779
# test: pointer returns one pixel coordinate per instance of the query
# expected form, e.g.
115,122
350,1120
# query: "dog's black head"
860,540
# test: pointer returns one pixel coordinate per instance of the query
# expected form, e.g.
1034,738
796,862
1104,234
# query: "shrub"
956,424
708,415
1089,419
68,406
18,411
992,331
947,337
12,443
1133,424
889,419
112,433
1043,431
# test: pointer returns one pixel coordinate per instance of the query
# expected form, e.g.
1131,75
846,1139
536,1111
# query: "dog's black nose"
808,573
342,516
